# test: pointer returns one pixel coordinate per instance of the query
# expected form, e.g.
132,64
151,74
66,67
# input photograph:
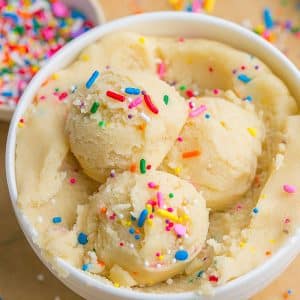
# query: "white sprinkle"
146,263
174,261
145,117
40,277
169,251
169,281
131,246
40,219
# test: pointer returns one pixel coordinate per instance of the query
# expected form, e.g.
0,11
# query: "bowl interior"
168,24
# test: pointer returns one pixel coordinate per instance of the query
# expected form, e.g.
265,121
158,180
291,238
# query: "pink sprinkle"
290,189
161,70
2,3
160,199
134,103
196,7
287,220
180,229
48,33
72,180
157,254
42,98
60,10
168,228
151,185
170,209
62,96
151,202
151,216
180,139
216,91
191,104
198,111
181,39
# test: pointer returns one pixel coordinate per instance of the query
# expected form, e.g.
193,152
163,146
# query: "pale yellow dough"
238,169
123,141
126,196
229,140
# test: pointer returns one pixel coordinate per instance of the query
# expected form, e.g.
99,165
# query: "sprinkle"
213,278
167,215
133,168
198,111
268,19
137,101
143,166
85,267
150,104
116,284
94,107
171,195
181,255
121,244
152,185
191,154
252,131
92,79
72,180
255,210
268,253
82,238
137,236
131,230
290,189
209,5
180,139
161,69
148,167
116,96
160,199
56,220
200,273
166,99
179,229
182,88
142,218
207,116
102,124
132,91
145,117
244,78
103,210
248,98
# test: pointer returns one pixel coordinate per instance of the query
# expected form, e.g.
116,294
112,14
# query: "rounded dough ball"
146,248
227,140
116,136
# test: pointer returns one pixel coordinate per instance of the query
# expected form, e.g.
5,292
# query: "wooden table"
22,275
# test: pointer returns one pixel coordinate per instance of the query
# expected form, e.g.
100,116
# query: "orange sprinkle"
103,210
137,231
268,253
133,168
190,154
101,263
142,127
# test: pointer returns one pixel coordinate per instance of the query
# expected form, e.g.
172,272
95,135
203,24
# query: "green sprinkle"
142,166
171,195
56,89
19,30
94,107
166,99
182,87
102,124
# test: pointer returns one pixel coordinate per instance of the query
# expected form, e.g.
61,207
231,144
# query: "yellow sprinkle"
116,284
263,196
161,257
272,241
177,171
185,217
55,76
259,29
177,4
142,40
149,208
242,244
167,215
150,222
223,123
20,125
84,57
252,131
209,5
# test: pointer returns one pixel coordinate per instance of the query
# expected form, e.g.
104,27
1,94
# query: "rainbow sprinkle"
92,79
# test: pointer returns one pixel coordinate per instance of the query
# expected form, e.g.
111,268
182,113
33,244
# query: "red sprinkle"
190,93
213,278
115,96
121,244
63,95
72,180
148,167
150,104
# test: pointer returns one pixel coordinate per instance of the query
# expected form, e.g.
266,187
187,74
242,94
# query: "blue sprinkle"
7,94
92,79
12,16
56,220
181,255
200,273
131,230
248,98
289,292
207,116
142,218
137,236
82,238
85,267
189,8
244,78
133,218
268,19
132,91
255,210
76,14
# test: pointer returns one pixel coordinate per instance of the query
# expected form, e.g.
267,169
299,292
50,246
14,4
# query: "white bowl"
92,9
168,24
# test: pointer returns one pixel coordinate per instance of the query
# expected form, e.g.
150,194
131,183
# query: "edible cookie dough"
151,225
217,150
109,129
121,168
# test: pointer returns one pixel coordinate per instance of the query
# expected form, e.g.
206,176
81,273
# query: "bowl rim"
292,246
